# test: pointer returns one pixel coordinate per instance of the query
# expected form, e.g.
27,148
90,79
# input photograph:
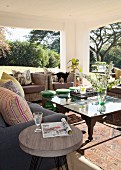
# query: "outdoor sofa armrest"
54,117
9,135
40,79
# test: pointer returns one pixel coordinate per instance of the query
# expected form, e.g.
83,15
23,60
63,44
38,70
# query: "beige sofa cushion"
117,72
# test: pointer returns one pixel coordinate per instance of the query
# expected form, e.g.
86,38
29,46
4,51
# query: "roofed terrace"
73,18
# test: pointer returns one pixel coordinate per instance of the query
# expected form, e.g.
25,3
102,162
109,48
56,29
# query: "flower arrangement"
103,81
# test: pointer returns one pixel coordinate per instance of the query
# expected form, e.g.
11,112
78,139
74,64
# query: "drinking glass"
38,119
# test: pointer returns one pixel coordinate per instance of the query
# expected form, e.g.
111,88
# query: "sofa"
53,83
39,83
11,155
116,91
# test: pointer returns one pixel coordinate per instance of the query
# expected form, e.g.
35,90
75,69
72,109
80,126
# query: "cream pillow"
117,72
6,76
23,78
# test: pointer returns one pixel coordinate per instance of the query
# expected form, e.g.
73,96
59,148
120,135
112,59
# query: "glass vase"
102,96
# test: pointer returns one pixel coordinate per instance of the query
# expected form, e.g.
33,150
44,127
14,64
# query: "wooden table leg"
90,124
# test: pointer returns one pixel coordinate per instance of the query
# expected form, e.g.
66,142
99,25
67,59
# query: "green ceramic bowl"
73,88
48,93
62,91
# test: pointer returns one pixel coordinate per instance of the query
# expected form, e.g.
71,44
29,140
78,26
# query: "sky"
17,34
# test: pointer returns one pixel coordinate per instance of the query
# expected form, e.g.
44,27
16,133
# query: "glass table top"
89,107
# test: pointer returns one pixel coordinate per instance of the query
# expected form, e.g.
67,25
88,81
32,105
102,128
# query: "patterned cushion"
6,76
13,108
11,86
23,78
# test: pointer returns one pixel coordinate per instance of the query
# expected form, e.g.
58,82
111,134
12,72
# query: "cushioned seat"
57,85
116,92
33,88
11,155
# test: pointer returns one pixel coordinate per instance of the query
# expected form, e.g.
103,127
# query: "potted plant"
74,65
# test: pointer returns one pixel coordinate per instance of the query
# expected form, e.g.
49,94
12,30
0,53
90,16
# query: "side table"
56,147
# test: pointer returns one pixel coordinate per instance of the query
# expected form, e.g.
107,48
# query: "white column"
74,43
82,47
67,44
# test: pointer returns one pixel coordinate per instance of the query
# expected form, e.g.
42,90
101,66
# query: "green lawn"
8,69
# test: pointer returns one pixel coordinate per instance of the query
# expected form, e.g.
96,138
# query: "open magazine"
54,129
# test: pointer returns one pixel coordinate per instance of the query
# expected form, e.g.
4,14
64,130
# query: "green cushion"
73,88
62,91
48,93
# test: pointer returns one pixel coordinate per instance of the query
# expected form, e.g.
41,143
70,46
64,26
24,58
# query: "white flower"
103,81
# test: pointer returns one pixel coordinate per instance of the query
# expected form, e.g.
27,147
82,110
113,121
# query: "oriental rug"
105,148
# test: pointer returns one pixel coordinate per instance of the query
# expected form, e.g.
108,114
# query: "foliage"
114,55
4,46
27,54
53,59
50,39
23,54
103,81
108,36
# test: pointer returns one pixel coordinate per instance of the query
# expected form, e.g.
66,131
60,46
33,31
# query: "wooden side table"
57,147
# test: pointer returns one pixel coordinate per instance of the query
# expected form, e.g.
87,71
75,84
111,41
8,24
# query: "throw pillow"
11,86
3,81
6,76
23,78
13,108
15,73
117,72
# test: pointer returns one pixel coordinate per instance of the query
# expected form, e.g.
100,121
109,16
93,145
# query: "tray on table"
83,96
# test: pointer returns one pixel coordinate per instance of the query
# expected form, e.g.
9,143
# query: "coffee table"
57,147
89,109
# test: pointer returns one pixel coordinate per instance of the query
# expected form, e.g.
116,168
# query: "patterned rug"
105,148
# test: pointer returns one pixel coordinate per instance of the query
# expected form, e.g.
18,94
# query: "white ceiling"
90,12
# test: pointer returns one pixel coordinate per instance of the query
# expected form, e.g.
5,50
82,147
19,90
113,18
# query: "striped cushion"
13,108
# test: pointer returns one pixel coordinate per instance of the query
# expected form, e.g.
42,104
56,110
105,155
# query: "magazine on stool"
53,129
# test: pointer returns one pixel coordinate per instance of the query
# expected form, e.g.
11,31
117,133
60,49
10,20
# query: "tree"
23,54
53,59
114,55
108,36
4,46
50,39
32,55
